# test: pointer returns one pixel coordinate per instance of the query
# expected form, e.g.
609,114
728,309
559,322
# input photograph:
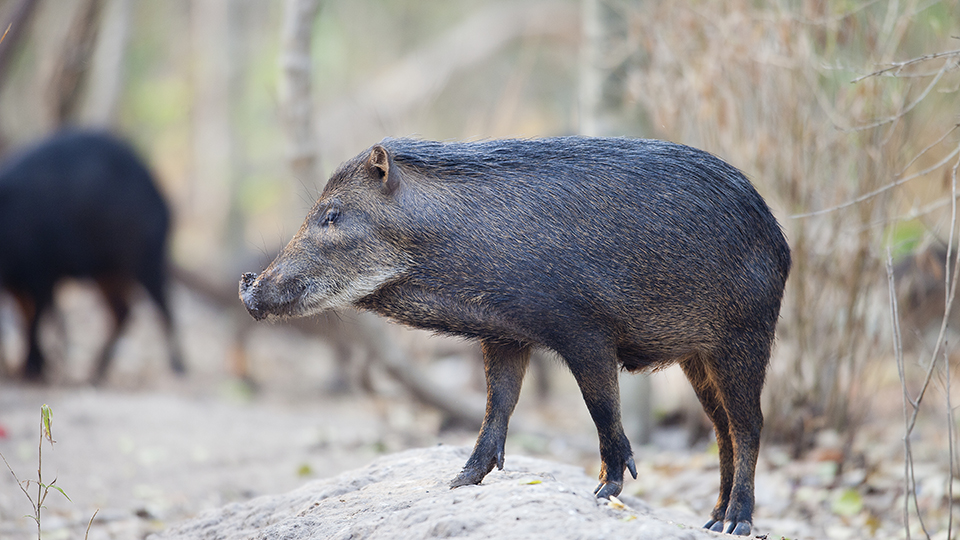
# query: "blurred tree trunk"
212,74
104,83
13,28
296,104
591,37
70,70
11,33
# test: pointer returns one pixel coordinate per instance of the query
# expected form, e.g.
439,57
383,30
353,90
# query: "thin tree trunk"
70,72
105,82
296,104
14,30
591,36
10,35
212,134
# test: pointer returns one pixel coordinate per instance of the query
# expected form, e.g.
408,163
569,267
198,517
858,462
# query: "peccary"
922,296
614,253
81,204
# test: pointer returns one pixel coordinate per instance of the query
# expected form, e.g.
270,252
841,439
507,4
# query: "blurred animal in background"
81,204
922,295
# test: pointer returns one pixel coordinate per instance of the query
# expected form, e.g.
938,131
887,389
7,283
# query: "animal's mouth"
274,295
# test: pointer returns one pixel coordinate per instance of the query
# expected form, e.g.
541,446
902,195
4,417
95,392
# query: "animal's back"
614,229
81,203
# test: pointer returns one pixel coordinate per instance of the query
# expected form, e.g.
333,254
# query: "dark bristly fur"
615,253
82,204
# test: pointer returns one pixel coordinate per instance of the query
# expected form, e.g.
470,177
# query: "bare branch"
951,284
946,363
900,65
950,436
910,107
883,189
898,350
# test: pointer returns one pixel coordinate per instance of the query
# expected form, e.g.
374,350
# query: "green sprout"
46,417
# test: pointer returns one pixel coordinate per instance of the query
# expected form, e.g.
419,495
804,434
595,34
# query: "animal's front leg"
504,365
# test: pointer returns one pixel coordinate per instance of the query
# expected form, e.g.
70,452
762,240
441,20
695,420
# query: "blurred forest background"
844,115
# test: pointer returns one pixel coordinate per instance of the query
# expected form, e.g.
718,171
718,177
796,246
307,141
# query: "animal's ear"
380,164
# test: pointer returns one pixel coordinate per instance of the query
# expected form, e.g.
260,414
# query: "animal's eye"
330,216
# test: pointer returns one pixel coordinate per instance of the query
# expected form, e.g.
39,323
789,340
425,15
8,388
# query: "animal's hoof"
467,477
480,464
742,528
607,489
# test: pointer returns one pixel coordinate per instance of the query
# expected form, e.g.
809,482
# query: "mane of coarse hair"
575,155
471,160
451,160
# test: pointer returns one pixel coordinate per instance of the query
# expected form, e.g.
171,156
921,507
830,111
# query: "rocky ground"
405,495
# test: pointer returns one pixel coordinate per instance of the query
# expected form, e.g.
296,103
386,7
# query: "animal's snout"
248,295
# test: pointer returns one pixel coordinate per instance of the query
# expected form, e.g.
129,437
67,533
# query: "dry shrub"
769,88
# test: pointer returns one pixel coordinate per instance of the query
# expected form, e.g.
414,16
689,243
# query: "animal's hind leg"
153,280
739,391
116,292
709,398
736,376
32,306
